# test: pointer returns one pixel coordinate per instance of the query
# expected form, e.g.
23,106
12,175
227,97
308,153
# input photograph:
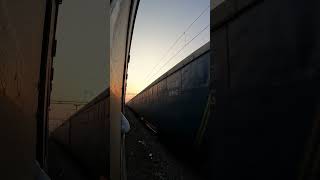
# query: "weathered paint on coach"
27,33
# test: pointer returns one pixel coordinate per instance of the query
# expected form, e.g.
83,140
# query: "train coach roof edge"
197,53
102,95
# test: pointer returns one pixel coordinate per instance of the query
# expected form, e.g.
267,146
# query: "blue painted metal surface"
175,102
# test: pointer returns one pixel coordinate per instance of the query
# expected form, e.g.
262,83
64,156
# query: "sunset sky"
81,71
159,24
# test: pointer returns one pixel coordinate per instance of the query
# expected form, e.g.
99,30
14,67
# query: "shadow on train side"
85,135
266,65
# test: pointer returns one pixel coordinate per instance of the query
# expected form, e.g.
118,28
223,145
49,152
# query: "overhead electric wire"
180,50
68,102
176,41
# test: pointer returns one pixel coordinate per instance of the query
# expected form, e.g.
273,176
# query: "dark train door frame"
45,78
132,18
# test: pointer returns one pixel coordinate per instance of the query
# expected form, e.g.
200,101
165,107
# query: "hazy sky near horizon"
81,67
159,23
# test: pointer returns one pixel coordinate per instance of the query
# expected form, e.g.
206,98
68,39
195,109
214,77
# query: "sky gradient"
81,67
159,23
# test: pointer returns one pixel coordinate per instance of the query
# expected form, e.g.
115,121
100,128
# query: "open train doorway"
79,98
81,70
167,89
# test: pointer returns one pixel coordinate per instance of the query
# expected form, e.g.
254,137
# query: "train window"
174,83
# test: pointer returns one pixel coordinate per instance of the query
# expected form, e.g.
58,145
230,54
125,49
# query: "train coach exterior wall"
22,34
122,19
86,135
266,60
175,103
62,134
